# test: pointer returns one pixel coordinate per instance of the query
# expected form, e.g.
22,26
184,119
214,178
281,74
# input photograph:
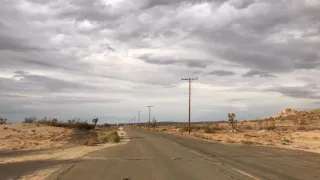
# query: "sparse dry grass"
295,130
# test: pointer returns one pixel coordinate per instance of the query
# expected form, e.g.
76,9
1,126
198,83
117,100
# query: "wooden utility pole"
138,118
149,114
189,79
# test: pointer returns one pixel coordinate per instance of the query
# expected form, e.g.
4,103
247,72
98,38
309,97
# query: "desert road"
153,155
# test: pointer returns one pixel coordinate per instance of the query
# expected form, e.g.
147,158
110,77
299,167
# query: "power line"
149,114
189,79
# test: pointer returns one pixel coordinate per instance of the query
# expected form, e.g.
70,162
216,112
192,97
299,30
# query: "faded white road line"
244,173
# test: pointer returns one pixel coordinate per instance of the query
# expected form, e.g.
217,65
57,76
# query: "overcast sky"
112,58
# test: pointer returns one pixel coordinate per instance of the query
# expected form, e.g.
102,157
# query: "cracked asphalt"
152,155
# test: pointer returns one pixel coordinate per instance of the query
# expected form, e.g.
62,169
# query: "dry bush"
228,140
197,127
91,142
301,128
76,124
302,122
109,137
3,120
313,128
208,129
247,142
183,129
30,119
199,135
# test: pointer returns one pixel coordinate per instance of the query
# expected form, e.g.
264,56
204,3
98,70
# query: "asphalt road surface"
158,156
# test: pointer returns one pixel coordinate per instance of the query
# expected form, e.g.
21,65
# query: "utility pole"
149,114
189,79
134,120
138,118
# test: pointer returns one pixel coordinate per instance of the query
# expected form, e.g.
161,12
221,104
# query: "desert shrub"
231,119
91,142
77,124
196,128
217,127
183,129
247,127
30,119
271,128
302,122
154,123
108,137
83,126
208,129
106,125
247,142
272,125
114,138
3,120
95,121
302,128
199,135
228,140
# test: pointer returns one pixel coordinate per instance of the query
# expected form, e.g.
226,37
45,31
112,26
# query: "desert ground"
288,129
23,144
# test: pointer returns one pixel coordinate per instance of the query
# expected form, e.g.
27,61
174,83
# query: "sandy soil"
307,140
30,142
288,129
29,136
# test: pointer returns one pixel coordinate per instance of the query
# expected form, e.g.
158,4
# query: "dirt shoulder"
307,140
289,129
33,152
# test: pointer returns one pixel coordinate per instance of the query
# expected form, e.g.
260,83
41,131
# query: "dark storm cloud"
192,63
222,73
155,3
24,81
68,37
244,40
252,73
14,44
306,92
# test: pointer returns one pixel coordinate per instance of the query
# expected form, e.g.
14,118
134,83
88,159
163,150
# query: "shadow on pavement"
15,153
133,137
17,169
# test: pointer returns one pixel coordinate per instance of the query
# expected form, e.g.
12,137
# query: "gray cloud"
307,92
193,63
13,44
23,81
252,73
40,39
222,73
